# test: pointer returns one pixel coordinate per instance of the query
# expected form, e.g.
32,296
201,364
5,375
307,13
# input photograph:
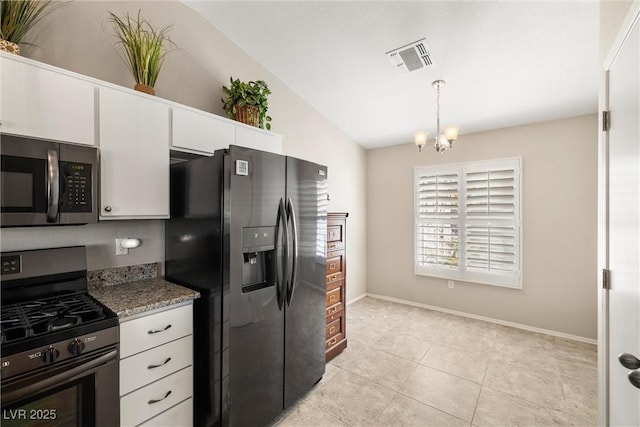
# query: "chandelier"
441,142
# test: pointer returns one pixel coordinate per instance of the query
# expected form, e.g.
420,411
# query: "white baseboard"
477,317
358,298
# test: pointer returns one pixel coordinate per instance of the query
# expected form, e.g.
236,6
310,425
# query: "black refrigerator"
248,230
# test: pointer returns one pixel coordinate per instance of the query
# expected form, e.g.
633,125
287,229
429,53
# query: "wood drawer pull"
332,330
152,401
333,341
332,298
157,331
159,364
332,310
332,266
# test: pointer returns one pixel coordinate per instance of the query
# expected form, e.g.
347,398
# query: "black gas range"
58,344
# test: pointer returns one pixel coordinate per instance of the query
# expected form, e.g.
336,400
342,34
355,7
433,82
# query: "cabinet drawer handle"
152,401
107,208
159,364
156,331
332,278
333,341
332,330
332,298
332,310
332,266
332,245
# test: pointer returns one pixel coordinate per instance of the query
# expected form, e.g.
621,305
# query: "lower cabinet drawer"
155,329
335,276
334,296
333,328
155,398
334,340
335,262
334,310
180,415
151,365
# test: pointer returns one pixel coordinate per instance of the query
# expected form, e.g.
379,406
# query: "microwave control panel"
75,187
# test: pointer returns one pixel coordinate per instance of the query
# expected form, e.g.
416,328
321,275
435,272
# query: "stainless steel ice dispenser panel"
255,239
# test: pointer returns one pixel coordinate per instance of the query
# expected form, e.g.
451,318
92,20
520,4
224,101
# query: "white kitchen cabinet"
157,397
155,329
42,102
173,417
199,132
156,368
251,137
134,156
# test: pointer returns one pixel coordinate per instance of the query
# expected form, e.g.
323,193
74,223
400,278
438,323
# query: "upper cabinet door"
258,139
134,156
44,103
200,132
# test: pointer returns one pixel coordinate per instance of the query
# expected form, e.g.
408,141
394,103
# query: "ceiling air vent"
411,57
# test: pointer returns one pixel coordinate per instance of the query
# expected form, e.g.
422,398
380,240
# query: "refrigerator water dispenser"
259,258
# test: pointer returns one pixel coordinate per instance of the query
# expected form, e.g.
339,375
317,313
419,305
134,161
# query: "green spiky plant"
17,18
253,93
143,46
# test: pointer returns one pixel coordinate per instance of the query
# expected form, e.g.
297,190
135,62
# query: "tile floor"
408,366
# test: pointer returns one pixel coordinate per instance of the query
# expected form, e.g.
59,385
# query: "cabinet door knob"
107,208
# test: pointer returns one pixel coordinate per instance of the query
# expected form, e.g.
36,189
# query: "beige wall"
78,38
559,204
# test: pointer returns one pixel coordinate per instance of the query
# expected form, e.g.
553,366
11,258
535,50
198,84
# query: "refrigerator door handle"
281,262
291,215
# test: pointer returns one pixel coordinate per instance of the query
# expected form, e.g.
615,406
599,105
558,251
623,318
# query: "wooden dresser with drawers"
336,333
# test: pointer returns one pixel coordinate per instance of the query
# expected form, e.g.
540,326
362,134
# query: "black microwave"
47,183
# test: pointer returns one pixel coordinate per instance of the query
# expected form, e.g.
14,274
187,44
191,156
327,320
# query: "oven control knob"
50,355
76,347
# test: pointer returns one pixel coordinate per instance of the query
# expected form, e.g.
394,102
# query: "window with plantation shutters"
467,222
437,218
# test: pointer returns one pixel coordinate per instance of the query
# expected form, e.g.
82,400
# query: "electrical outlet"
119,249
451,284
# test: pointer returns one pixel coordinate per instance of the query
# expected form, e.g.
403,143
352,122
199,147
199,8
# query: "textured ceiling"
506,63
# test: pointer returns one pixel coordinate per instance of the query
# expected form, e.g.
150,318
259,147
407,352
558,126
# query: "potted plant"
18,17
143,48
247,102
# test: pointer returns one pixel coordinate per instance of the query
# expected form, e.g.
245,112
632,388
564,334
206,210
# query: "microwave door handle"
53,185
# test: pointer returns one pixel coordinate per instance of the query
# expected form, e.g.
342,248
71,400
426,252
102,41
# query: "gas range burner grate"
47,315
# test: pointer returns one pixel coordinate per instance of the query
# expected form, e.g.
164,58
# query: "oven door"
29,183
81,392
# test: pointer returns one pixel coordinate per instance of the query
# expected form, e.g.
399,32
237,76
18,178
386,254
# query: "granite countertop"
127,299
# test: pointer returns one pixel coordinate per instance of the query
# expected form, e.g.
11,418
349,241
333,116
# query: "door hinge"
606,121
606,279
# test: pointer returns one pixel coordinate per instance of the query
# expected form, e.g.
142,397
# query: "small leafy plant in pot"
247,102
144,48
17,18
